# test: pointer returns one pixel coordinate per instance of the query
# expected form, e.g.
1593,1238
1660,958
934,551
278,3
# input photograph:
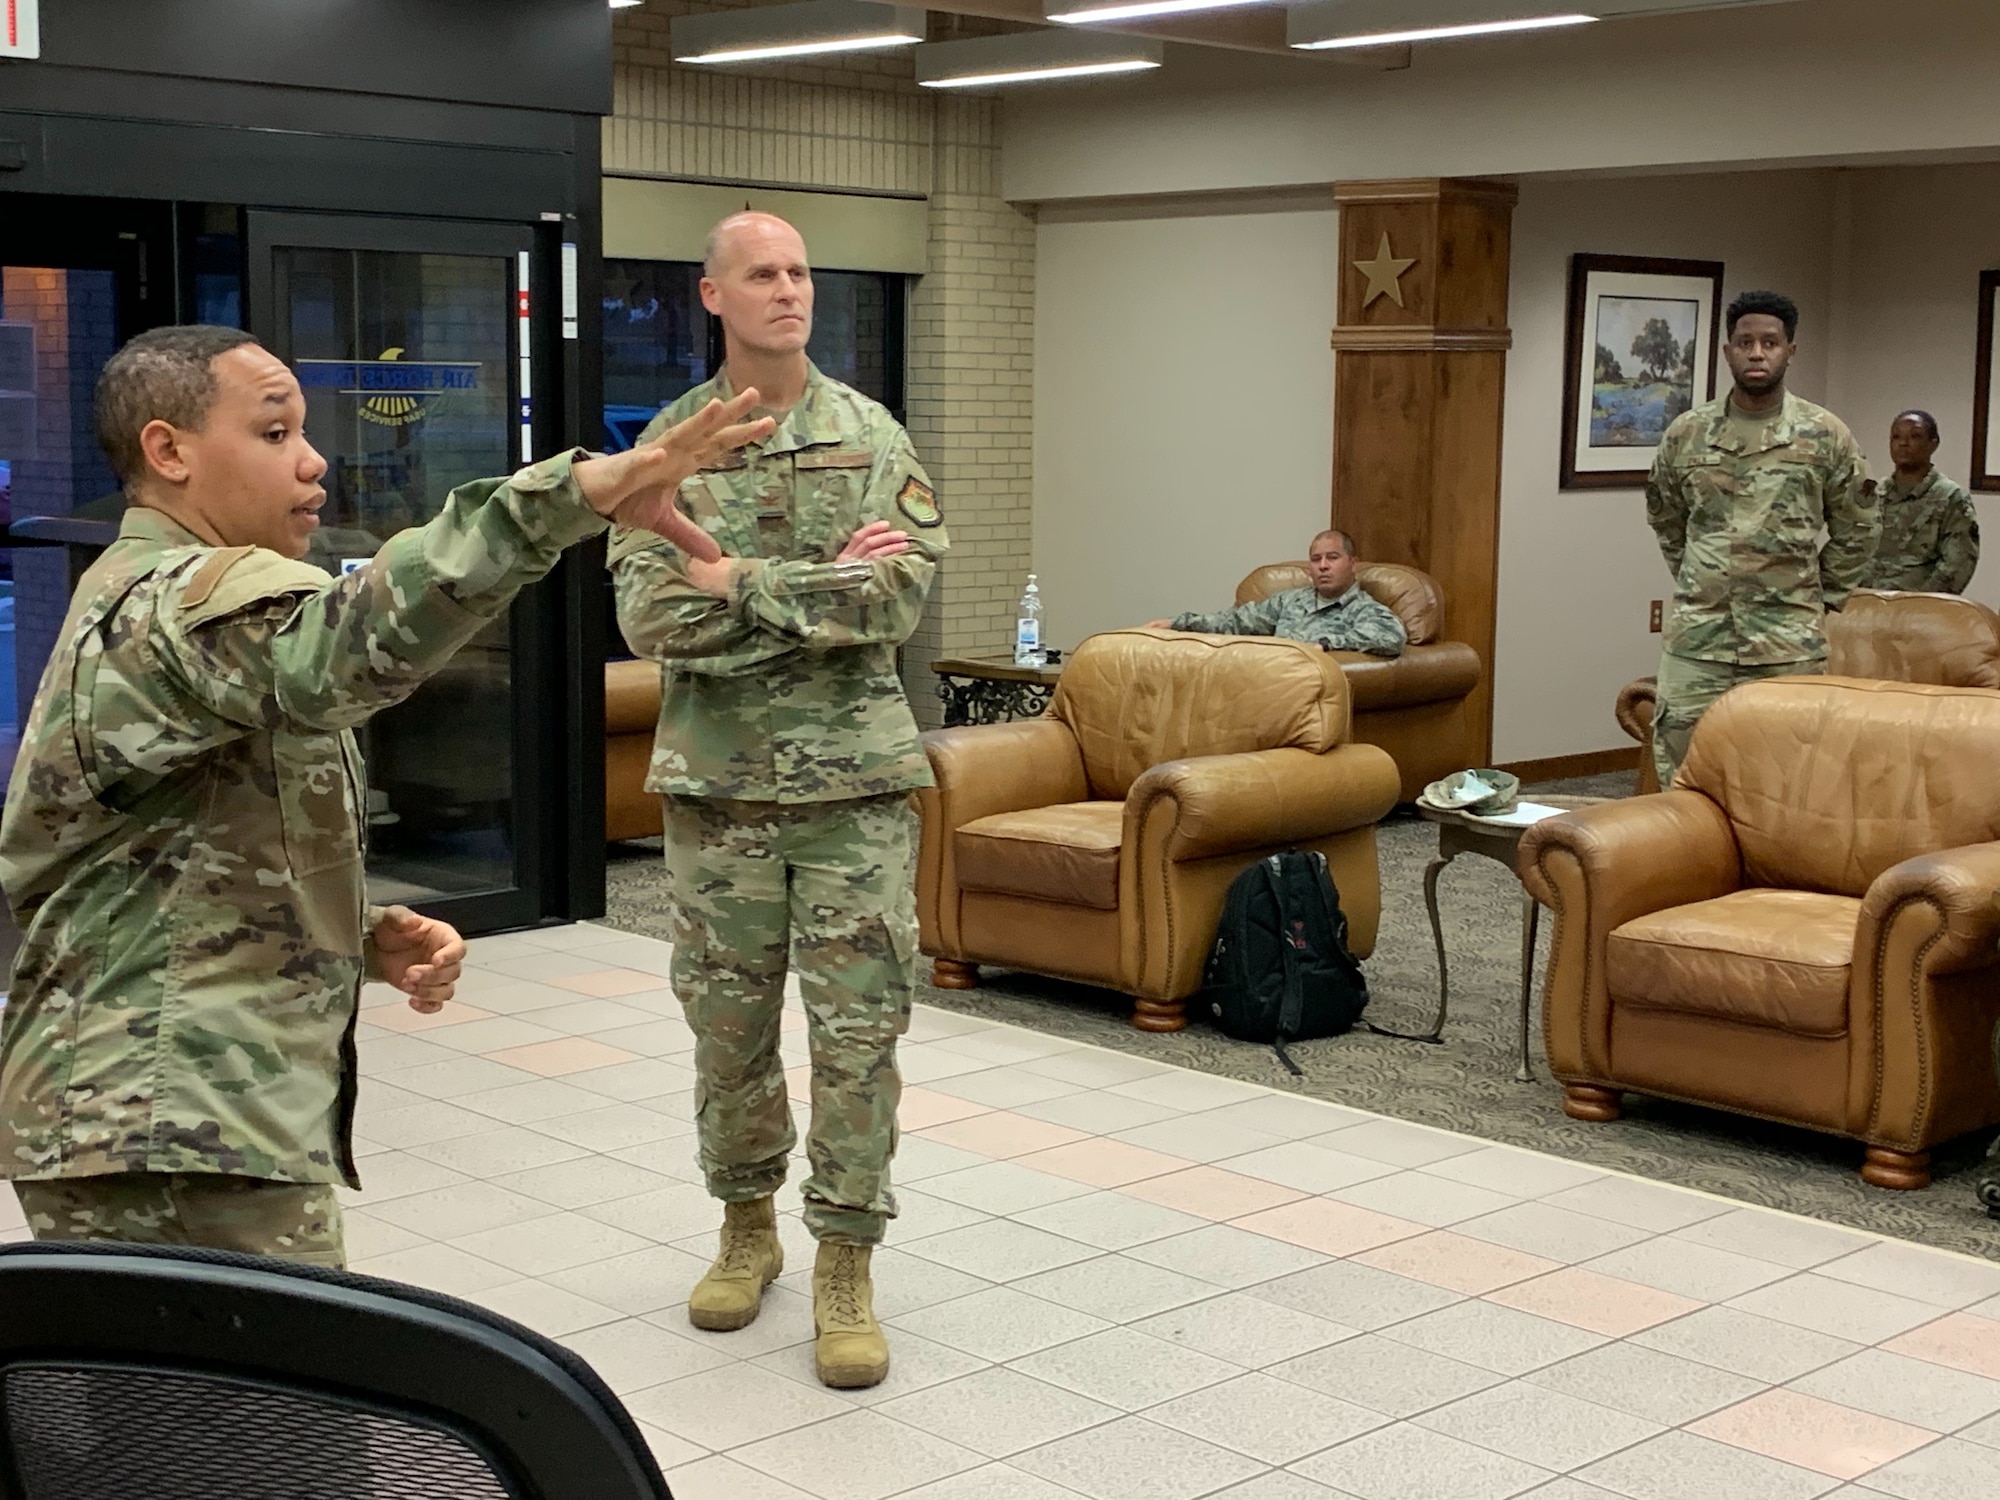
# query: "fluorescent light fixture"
1382,23
1090,12
809,30
1030,56
626,4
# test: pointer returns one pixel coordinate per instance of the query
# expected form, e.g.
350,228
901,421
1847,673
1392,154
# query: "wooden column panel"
1419,386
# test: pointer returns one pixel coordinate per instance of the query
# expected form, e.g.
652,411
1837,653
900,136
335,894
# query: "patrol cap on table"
1480,793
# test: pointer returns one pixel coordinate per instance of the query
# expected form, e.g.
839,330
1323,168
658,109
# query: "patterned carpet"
1466,1083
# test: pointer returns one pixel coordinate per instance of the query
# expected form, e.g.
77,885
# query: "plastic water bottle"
1028,650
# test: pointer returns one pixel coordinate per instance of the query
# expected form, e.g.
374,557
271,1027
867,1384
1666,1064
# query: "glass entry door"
413,344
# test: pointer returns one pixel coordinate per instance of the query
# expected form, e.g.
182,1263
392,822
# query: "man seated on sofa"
1336,612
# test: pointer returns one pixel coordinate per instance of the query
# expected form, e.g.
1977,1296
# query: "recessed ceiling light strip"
1034,57
1083,13
1445,33
1330,24
804,49
1034,75
814,29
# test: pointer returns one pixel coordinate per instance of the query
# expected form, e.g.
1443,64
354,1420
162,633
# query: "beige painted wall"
1919,238
1183,421
646,218
1578,567
1804,81
1183,424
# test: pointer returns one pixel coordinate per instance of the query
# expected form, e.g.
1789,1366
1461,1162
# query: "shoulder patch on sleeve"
237,577
918,501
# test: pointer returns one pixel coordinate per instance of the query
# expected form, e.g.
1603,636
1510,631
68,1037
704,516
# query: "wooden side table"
992,690
1462,833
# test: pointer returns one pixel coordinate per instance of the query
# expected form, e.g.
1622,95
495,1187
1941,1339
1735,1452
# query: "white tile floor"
1124,1281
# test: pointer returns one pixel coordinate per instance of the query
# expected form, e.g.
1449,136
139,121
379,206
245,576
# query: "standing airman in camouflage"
1336,613
1739,493
1930,532
181,845
787,751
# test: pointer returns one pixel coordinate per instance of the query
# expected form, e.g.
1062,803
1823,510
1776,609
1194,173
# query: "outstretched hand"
637,488
419,955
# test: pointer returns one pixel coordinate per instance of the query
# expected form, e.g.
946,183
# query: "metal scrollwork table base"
1461,833
992,690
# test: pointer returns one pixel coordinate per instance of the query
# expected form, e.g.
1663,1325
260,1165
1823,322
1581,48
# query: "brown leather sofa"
1413,706
1802,929
1097,842
631,714
1935,638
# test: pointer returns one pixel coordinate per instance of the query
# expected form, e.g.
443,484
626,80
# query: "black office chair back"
161,1373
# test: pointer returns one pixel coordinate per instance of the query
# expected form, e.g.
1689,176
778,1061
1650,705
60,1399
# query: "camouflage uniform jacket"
1356,621
787,690
1739,523
1930,537
181,845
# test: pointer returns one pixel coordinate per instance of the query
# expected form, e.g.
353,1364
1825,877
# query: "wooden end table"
992,690
1462,833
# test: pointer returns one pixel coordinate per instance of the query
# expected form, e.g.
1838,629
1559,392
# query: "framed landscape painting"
1641,349
1986,391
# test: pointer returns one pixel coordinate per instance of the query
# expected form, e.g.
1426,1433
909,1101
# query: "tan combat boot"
850,1351
732,1292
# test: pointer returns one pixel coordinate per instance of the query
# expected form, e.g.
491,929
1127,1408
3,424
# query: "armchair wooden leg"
1586,1101
1159,1015
950,974
1904,1170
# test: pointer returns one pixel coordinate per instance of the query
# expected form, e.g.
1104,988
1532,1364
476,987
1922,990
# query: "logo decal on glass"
392,391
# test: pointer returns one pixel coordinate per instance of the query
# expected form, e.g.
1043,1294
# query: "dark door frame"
540,827
135,239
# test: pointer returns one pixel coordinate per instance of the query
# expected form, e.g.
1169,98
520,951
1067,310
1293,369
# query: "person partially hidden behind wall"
1930,533
1336,613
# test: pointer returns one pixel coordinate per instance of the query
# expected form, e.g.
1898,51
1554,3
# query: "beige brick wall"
862,125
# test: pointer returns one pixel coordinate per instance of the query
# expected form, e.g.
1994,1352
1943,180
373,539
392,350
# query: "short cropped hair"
1771,304
1346,541
718,237
166,375
1916,414
711,250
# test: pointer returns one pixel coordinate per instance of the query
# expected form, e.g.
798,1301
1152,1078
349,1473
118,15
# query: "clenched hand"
419,955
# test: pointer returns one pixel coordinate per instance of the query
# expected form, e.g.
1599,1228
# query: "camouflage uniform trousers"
288,1220
829,886
1688,685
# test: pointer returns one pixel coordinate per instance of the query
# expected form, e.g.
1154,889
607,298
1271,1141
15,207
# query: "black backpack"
1280,970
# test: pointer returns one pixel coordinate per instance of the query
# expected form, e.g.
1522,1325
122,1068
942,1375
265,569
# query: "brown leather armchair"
1097,842
1802,929
631,714
1414,705
1899,637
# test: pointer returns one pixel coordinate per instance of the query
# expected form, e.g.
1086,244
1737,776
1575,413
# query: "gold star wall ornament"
1384,273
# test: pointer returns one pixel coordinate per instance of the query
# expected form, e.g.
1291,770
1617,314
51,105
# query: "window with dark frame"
660,343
